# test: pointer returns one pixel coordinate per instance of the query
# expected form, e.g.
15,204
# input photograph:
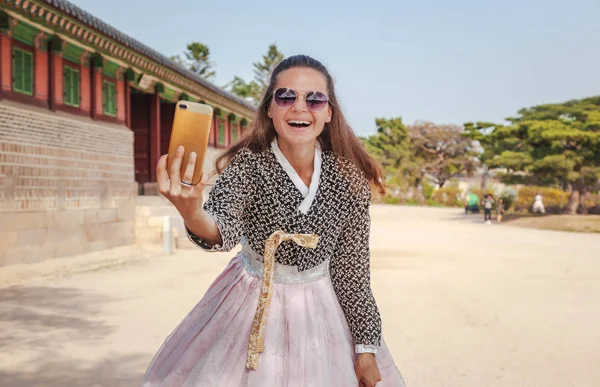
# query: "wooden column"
55,89
127,103
96,79
42,67
154,133
85,83
213,132
120,89
5,60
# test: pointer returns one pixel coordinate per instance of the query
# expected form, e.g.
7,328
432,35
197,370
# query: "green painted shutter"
22,71
75,87
110,99
67,86
71,87
114,99
221,133
105,96
18,70
27,73
234,134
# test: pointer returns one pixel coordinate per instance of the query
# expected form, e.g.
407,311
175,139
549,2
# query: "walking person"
294,307
538,204
500,210
488,203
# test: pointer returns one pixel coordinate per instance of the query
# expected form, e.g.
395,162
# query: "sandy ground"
464,305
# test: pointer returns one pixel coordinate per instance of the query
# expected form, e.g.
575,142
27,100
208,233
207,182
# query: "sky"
428,60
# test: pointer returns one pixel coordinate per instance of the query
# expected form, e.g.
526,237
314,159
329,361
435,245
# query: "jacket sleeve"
351,277
227,201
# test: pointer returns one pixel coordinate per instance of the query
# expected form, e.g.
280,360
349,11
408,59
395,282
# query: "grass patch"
573,223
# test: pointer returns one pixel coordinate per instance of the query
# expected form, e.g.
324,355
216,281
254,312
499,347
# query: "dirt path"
464,305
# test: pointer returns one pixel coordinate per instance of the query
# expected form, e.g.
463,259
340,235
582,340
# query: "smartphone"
191,128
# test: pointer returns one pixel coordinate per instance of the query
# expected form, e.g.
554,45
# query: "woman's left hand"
366,370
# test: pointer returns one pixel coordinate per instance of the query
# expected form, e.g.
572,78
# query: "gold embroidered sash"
257,335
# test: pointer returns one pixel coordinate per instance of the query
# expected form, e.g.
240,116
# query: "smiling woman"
294,307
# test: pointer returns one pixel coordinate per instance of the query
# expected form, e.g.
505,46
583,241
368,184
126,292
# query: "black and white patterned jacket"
259,193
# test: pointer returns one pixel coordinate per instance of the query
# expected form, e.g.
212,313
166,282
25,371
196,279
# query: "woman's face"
298,125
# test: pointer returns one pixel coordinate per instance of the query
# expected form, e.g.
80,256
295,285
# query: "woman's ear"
328,120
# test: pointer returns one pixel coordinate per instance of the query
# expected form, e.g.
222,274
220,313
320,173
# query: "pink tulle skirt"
307,341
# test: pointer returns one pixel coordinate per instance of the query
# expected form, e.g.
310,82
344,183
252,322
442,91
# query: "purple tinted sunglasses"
285,98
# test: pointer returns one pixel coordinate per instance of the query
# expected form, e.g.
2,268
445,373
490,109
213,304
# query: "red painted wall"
120,100
97,101
57,79
167,113
140,124
85,89
6,62
155,140
41,75
127,104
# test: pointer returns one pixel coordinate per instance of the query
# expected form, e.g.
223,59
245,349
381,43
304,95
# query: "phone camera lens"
182,106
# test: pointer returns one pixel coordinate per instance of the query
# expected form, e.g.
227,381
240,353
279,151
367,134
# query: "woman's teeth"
299,123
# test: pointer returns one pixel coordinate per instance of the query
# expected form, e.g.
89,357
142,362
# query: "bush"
508,195
448,196
592,204
389,199
480,192
555,200
427,190
434,203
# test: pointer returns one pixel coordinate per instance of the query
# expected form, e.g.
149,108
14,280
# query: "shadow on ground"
118,371
47,316
46,319
468,218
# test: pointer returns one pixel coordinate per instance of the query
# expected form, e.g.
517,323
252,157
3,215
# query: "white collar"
308,193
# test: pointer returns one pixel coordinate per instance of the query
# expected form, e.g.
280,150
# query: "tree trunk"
577,195
418,191
571,208
582,199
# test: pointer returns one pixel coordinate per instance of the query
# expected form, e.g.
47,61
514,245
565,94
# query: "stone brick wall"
66,185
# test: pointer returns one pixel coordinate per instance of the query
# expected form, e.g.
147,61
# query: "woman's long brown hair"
337,136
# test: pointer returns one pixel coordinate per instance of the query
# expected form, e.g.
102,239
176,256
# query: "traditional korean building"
85,113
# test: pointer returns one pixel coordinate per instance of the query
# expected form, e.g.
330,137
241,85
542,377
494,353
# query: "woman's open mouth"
299,124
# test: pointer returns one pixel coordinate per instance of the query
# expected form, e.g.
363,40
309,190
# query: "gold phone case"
191,128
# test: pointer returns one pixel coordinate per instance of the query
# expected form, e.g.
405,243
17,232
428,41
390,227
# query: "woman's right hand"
187,200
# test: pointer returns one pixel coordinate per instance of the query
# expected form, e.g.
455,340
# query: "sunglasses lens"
316,101
284,98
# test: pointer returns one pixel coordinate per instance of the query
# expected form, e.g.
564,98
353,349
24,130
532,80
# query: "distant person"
538,204
500,210
488,204
299,313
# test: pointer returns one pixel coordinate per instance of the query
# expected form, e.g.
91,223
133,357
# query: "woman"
500,210
296,189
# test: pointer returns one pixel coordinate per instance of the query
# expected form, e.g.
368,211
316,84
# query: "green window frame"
221,133
22,71
71,86
234,133
109,93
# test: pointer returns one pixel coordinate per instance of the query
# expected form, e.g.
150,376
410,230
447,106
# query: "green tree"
197,59
390,147
247,90
441,151
559,143
263,70
255,89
